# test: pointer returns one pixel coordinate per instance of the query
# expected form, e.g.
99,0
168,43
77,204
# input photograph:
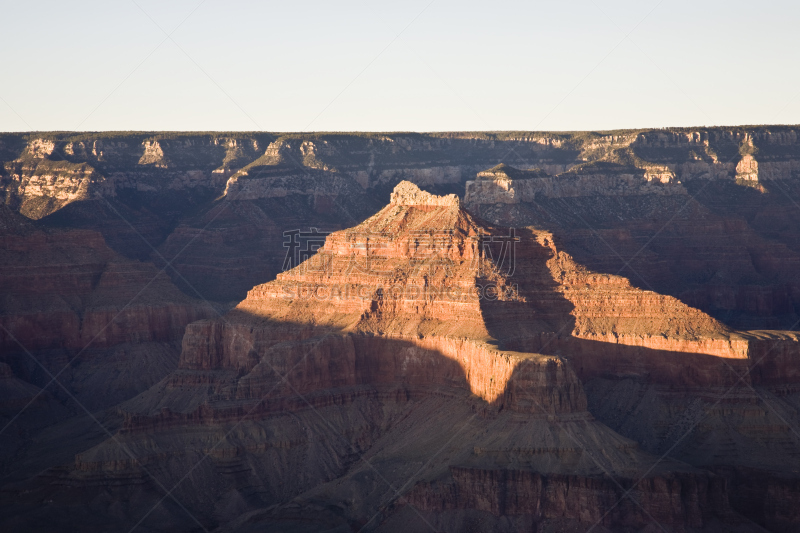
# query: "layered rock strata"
728,264
65,289
625,187
43,173
404,335
497,186
654,367
65,293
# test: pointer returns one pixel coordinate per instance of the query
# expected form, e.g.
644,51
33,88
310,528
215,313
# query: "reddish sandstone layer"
353,360
423,268
407,274
605,326
367,330
67,289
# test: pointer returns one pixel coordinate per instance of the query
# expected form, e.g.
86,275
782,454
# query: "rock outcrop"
497,186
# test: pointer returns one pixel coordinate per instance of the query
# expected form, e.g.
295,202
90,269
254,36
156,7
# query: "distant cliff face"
497,187
44,173
52,172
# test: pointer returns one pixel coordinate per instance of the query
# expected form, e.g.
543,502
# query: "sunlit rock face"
411,274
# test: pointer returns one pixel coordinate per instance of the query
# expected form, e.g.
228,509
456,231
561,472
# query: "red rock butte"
426,271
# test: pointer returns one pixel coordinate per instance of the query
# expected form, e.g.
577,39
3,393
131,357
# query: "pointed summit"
412,269
424,266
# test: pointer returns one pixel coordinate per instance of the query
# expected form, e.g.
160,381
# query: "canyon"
519,331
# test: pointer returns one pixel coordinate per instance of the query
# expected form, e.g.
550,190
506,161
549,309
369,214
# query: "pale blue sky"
389,66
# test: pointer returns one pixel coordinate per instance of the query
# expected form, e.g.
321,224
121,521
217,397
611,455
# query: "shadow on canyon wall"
239,378
218,247
546,323
727,249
